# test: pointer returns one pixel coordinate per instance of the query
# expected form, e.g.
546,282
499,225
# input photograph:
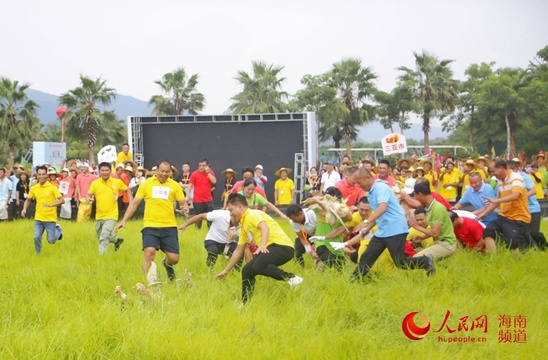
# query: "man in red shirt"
384,173
351,191
202,181
247,173
83,182
468,231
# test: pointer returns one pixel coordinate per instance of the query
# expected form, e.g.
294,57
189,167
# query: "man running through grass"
160,226
275,247
48,198
105,191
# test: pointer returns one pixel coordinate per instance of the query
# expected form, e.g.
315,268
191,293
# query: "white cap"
65,170
409,185
259,167
120,165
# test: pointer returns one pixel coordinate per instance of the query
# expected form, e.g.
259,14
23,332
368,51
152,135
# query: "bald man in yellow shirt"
160,226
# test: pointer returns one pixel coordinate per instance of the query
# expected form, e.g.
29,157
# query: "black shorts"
515,233
165,239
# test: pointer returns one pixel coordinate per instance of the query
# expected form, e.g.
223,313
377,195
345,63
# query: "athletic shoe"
169,269
294,281
118,243
57,226
431,268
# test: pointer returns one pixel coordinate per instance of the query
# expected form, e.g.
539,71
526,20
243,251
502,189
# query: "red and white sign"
393,144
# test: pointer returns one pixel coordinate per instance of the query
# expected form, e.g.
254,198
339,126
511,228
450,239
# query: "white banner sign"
107,154
394,144
50,153
64,187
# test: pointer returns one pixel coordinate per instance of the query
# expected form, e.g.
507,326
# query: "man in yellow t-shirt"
449,180
124,155
384,262
538,180
159,223
48,198
105,190
284,188
275,247
418,239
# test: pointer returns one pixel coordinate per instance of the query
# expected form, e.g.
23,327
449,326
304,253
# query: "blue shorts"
164,239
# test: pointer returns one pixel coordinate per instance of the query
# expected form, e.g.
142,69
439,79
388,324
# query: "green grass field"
61,305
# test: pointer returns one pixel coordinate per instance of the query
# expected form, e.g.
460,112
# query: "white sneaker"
294,281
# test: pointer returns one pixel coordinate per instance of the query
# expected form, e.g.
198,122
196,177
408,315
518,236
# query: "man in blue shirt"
6,188
475,196
14,214
392,228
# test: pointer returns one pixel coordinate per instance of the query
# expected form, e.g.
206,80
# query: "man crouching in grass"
275,247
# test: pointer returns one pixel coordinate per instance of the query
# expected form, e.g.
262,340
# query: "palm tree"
354,85
393,108
180,94
434,89
18,122
85,116
262,91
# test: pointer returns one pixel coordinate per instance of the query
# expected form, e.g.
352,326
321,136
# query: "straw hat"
19,172
229,170
140,168
517,161
487,160
419,168
72,163
409,162
129,168
540,154
471,162
369,161
53,172
424,161
131,163
277,173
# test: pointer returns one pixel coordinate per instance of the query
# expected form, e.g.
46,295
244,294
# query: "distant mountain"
123,106
374,132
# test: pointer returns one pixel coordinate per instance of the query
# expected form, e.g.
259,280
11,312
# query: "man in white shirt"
303,222
330,177
222,237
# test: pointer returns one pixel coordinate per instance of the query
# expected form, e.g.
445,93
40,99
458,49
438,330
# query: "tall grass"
61,305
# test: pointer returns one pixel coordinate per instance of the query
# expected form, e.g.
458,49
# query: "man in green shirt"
441,227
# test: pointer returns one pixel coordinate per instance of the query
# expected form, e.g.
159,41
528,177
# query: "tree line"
491,108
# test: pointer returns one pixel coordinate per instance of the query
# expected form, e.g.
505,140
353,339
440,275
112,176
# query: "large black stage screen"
226,145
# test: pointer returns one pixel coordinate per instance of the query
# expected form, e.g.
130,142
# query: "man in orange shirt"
514,216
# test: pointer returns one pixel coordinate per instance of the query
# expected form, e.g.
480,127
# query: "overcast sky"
133,43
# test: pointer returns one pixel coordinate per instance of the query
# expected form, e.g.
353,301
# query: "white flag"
107,154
